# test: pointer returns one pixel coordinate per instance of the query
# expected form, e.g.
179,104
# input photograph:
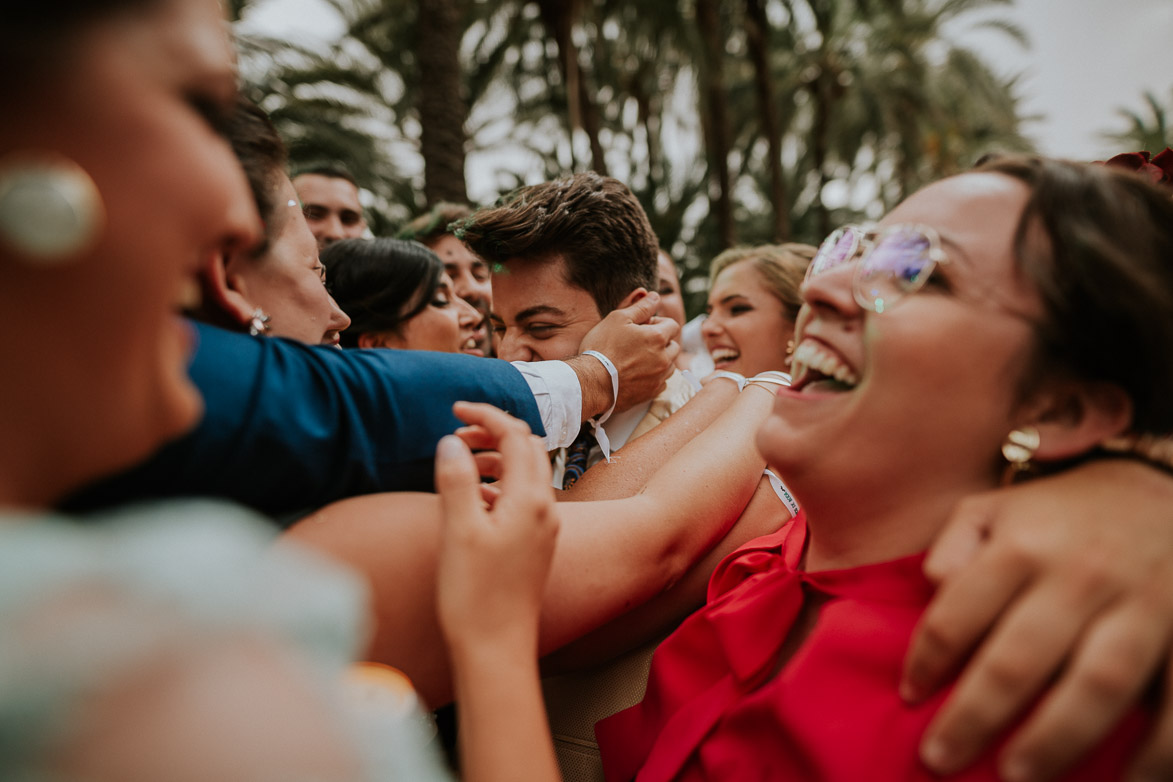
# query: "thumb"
641,311
457,480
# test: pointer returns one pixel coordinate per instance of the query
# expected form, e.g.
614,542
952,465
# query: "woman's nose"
711,326
470,316
832,289
339,320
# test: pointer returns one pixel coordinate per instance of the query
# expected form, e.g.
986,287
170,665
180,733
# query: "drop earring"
50,209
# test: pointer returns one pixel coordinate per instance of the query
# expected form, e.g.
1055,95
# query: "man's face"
537,314
331,208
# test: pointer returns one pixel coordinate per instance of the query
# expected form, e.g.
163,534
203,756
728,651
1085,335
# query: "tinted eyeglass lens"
837,249
898,263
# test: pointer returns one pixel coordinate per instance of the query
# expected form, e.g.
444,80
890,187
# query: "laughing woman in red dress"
969,330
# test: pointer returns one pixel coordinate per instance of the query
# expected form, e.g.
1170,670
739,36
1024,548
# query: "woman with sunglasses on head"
398,296
958,344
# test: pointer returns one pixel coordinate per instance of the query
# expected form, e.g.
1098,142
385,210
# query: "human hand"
1076,570
494,560
641,347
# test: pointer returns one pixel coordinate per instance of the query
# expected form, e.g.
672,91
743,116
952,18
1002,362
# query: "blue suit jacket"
289,426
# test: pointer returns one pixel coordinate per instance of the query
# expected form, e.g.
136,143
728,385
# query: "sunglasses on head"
890,262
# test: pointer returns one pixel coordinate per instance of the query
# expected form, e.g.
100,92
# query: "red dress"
716,710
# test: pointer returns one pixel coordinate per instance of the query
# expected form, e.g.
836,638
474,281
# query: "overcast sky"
1087,59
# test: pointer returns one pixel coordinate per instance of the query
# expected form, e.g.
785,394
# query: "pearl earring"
50,209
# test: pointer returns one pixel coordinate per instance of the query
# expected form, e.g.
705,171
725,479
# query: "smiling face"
447,324
927,390
287,280
537,314
470,279
130,106
747,329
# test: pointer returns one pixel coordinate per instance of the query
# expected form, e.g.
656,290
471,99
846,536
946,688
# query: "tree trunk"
442,107
558,17
716,120
757,31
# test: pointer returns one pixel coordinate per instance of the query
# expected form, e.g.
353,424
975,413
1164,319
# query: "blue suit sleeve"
289,426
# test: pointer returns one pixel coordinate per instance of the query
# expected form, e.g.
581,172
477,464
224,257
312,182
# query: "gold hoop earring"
50,209
1019,449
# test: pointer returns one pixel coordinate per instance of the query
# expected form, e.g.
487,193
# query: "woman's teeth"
724,354
810,357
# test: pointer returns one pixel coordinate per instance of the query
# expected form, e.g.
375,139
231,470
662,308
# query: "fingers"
959,615
959,542
1002,679
489,420
476,438
642,310
489,494
457,481
1102,681
1155,761
524,463
489,464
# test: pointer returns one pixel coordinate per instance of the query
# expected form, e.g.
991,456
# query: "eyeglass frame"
865,239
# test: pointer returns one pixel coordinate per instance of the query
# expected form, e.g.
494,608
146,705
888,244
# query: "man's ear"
226,291
632,298
375,339
1073,417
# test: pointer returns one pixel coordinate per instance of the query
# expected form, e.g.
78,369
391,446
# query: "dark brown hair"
261,154
1103,266
593,222
380,283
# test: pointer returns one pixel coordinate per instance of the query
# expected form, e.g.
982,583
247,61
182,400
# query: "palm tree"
442,108
1150,130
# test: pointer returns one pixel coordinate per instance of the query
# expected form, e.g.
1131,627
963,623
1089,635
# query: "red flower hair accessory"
1159,168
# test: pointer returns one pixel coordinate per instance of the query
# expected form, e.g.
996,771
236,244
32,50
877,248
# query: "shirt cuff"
558,394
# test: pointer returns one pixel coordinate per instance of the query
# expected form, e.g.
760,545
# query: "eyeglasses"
892,261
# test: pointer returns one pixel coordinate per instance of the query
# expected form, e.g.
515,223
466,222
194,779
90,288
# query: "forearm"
595,383
648,542
660,615
503,730
636,462
610,556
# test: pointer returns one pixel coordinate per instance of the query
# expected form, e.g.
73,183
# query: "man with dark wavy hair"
562,255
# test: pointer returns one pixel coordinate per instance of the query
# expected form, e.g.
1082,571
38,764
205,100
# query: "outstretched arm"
1077,572
610,556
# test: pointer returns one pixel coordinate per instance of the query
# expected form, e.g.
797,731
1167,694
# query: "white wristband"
597,423
735,377
772,377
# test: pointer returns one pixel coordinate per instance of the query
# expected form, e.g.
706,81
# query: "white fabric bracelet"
736,378
772,377
597,423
